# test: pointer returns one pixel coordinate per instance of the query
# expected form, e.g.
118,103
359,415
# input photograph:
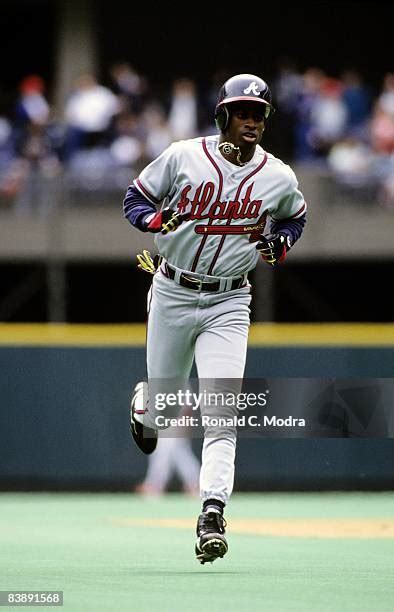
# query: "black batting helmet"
242,88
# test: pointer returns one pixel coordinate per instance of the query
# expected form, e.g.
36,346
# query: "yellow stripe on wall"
261,334
325,334
60,334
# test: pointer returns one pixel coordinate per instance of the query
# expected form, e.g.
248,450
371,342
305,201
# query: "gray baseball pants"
212,329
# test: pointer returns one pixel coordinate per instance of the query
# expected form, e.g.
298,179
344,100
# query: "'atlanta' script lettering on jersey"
202,208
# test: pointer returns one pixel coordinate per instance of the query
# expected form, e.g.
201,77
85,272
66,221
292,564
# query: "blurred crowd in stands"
106,133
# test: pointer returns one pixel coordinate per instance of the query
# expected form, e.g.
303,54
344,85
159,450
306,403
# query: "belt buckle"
197,281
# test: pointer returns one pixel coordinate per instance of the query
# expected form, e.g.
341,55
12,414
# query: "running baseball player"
216,204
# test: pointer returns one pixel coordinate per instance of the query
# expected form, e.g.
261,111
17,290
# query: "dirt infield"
364,528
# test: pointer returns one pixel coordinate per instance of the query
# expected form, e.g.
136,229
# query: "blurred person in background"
158,132
182,116
89,115
31,114
310,88
386,192
382,120
328,117
129,86
363,161
287,88
6,143
382,139
8,184
382,131
31,105
386,97
357,99
36,160
173,455
127,146
354,166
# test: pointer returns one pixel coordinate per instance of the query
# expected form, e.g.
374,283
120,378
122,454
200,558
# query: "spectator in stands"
32,106
382,121
357,99
31,113
386,98
7,151
8,182
328,116
158,135
386,192
89,115
382,139
382,130
129,86
182,117
353,163
287,90
108,132
127,144
311,84
35,160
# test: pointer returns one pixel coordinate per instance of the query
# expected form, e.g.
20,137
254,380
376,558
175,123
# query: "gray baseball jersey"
228,204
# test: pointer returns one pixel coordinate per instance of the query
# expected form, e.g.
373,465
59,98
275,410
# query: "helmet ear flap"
222,117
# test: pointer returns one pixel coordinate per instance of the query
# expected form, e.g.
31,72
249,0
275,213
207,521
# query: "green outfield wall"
64,416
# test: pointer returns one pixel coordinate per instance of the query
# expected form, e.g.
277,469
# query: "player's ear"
222,119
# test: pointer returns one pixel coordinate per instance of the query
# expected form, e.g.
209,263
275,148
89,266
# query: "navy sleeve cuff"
136,208
289,227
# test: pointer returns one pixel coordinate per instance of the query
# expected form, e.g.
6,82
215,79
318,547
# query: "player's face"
246,125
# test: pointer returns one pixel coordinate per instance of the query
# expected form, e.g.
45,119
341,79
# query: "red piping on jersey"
303,207
204,238
145,192
240,186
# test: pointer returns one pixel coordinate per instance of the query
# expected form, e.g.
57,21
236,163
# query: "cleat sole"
211,550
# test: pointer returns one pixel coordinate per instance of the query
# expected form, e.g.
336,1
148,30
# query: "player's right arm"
137,208
148,190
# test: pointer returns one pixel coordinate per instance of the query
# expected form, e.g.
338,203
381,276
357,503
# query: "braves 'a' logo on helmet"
253,88
241,88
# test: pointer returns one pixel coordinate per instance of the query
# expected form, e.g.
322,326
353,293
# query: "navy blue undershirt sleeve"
289,227
136,208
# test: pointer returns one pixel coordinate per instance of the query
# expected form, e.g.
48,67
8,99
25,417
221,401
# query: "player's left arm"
287,224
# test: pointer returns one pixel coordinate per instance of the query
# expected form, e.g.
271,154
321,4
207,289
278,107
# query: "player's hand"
273,248
166,221
147,263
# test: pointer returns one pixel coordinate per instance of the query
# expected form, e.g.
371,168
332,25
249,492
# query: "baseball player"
215,204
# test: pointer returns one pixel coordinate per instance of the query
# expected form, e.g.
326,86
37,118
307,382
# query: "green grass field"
95,548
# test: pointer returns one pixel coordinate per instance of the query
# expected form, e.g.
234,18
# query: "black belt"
198,285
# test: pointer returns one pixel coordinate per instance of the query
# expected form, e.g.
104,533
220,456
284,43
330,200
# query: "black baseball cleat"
211,542
144,437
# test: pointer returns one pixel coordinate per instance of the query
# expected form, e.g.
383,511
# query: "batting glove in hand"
147,263
166,221
273,248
